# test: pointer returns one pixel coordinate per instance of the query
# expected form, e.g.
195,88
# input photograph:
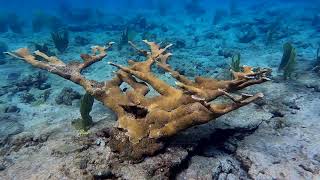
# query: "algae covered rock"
247,35
66,96
9,125
227,53
12,109
221,166
26,83
81,41
27,98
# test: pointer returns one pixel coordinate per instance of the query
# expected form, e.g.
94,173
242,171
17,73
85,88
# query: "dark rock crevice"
223,143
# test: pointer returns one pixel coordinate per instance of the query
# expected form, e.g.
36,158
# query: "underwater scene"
159,89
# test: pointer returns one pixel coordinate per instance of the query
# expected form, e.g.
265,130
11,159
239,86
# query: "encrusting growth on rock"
144,121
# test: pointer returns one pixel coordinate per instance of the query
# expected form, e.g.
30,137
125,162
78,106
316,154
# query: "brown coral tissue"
144,122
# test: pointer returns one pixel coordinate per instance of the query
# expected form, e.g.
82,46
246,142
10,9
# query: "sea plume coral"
60,40
143,121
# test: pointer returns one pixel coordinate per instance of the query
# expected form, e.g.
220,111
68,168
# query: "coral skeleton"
144,122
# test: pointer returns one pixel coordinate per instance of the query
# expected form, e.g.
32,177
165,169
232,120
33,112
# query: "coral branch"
98,53
71,71
221,109
140,51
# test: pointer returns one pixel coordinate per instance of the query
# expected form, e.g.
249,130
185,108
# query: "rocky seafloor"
274,138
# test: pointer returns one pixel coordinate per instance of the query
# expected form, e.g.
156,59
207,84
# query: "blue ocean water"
38,108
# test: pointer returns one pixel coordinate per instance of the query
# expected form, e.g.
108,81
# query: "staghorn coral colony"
143,121
193,89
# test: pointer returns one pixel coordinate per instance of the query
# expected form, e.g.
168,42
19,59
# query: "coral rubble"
66,96
25,84
144,122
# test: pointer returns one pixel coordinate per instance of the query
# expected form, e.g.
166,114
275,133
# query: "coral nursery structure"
143,121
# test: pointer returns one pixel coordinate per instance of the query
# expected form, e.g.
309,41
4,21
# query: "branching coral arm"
98,53
140,51
156,50
197,113
142,70
70,71
152,56
221,109
182,118
140,88
159,85
23,54
162,63
161,58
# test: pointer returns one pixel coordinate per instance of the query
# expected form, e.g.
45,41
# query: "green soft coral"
288,60
235,62
85,122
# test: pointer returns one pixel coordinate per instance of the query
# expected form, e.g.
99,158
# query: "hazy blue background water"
25,7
